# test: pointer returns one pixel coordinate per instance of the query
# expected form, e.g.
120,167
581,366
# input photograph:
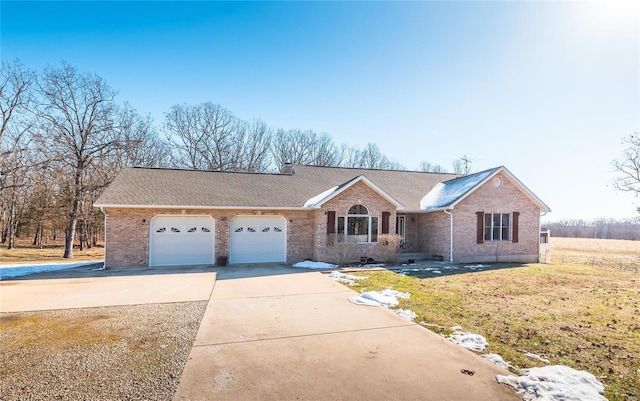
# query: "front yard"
583,316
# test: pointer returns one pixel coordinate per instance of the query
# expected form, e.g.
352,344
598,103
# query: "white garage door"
256,239
181,240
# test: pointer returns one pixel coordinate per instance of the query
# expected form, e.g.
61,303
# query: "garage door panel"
181,240
255,239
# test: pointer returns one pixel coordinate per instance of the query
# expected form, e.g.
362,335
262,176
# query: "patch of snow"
497,359
7,271
555,383
345,278
374,265
538,357
475,267
436,272
386,298
406,313
450,267
312,202
470,341
315,265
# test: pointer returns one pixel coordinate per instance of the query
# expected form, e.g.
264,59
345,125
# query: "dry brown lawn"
26,254
584,315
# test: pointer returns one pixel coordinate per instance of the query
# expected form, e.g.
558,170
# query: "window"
497,226
175,230
192,230
358,225
251,229
161,230
277,229
266,229
238,230
205,230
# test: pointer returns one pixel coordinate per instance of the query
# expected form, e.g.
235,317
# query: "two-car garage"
190,240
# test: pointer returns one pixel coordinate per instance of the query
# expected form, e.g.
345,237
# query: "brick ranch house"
161,217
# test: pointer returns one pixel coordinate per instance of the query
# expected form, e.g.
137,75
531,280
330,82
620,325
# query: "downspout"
104,264
542,214
450,234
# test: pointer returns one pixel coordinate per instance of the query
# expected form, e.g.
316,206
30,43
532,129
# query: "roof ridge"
206,171
374,169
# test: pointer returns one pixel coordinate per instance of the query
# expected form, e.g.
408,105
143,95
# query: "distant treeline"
628,229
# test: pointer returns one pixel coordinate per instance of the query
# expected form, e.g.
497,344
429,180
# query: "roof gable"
319,200
446,195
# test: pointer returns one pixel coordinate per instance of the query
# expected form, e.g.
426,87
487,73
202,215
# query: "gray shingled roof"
189,188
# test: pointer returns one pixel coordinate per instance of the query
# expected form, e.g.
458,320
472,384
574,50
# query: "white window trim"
369,225
492,227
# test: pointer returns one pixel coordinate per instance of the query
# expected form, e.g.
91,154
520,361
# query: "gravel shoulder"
134,352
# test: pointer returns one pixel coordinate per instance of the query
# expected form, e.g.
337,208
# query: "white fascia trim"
512,177
102,205
370,184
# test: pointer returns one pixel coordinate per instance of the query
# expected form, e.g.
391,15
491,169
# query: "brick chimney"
287,169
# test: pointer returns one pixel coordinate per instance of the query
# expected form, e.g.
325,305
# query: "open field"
26,254
581,315
619,254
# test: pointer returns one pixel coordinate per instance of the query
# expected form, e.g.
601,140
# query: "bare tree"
429,167
205,137
14,187
372,158
141,145
15,94
255,148
80,117
304,147
628,167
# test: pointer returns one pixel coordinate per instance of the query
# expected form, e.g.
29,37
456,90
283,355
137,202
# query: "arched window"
358,225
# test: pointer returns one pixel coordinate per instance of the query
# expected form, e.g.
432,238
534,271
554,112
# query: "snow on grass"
497,359
7,271
315,265
537,357
346,278
555,383
470,341
404,272
406,313
386,298
479,266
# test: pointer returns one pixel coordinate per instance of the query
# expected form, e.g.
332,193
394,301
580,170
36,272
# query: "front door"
400,230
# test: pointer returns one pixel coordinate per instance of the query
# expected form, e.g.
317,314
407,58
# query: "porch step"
404,257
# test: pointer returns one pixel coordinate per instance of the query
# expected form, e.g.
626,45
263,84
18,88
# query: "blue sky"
547,89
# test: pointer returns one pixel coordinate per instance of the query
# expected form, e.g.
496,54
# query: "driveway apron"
297,337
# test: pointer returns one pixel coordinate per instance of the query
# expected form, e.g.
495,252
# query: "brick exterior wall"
127,232
360,193
434,227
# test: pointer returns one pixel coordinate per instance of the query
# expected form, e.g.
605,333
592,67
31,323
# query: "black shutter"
514,236
385,222
331,222
480,228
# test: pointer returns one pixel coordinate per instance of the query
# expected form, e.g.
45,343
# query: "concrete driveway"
83,288
295,336
277,333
